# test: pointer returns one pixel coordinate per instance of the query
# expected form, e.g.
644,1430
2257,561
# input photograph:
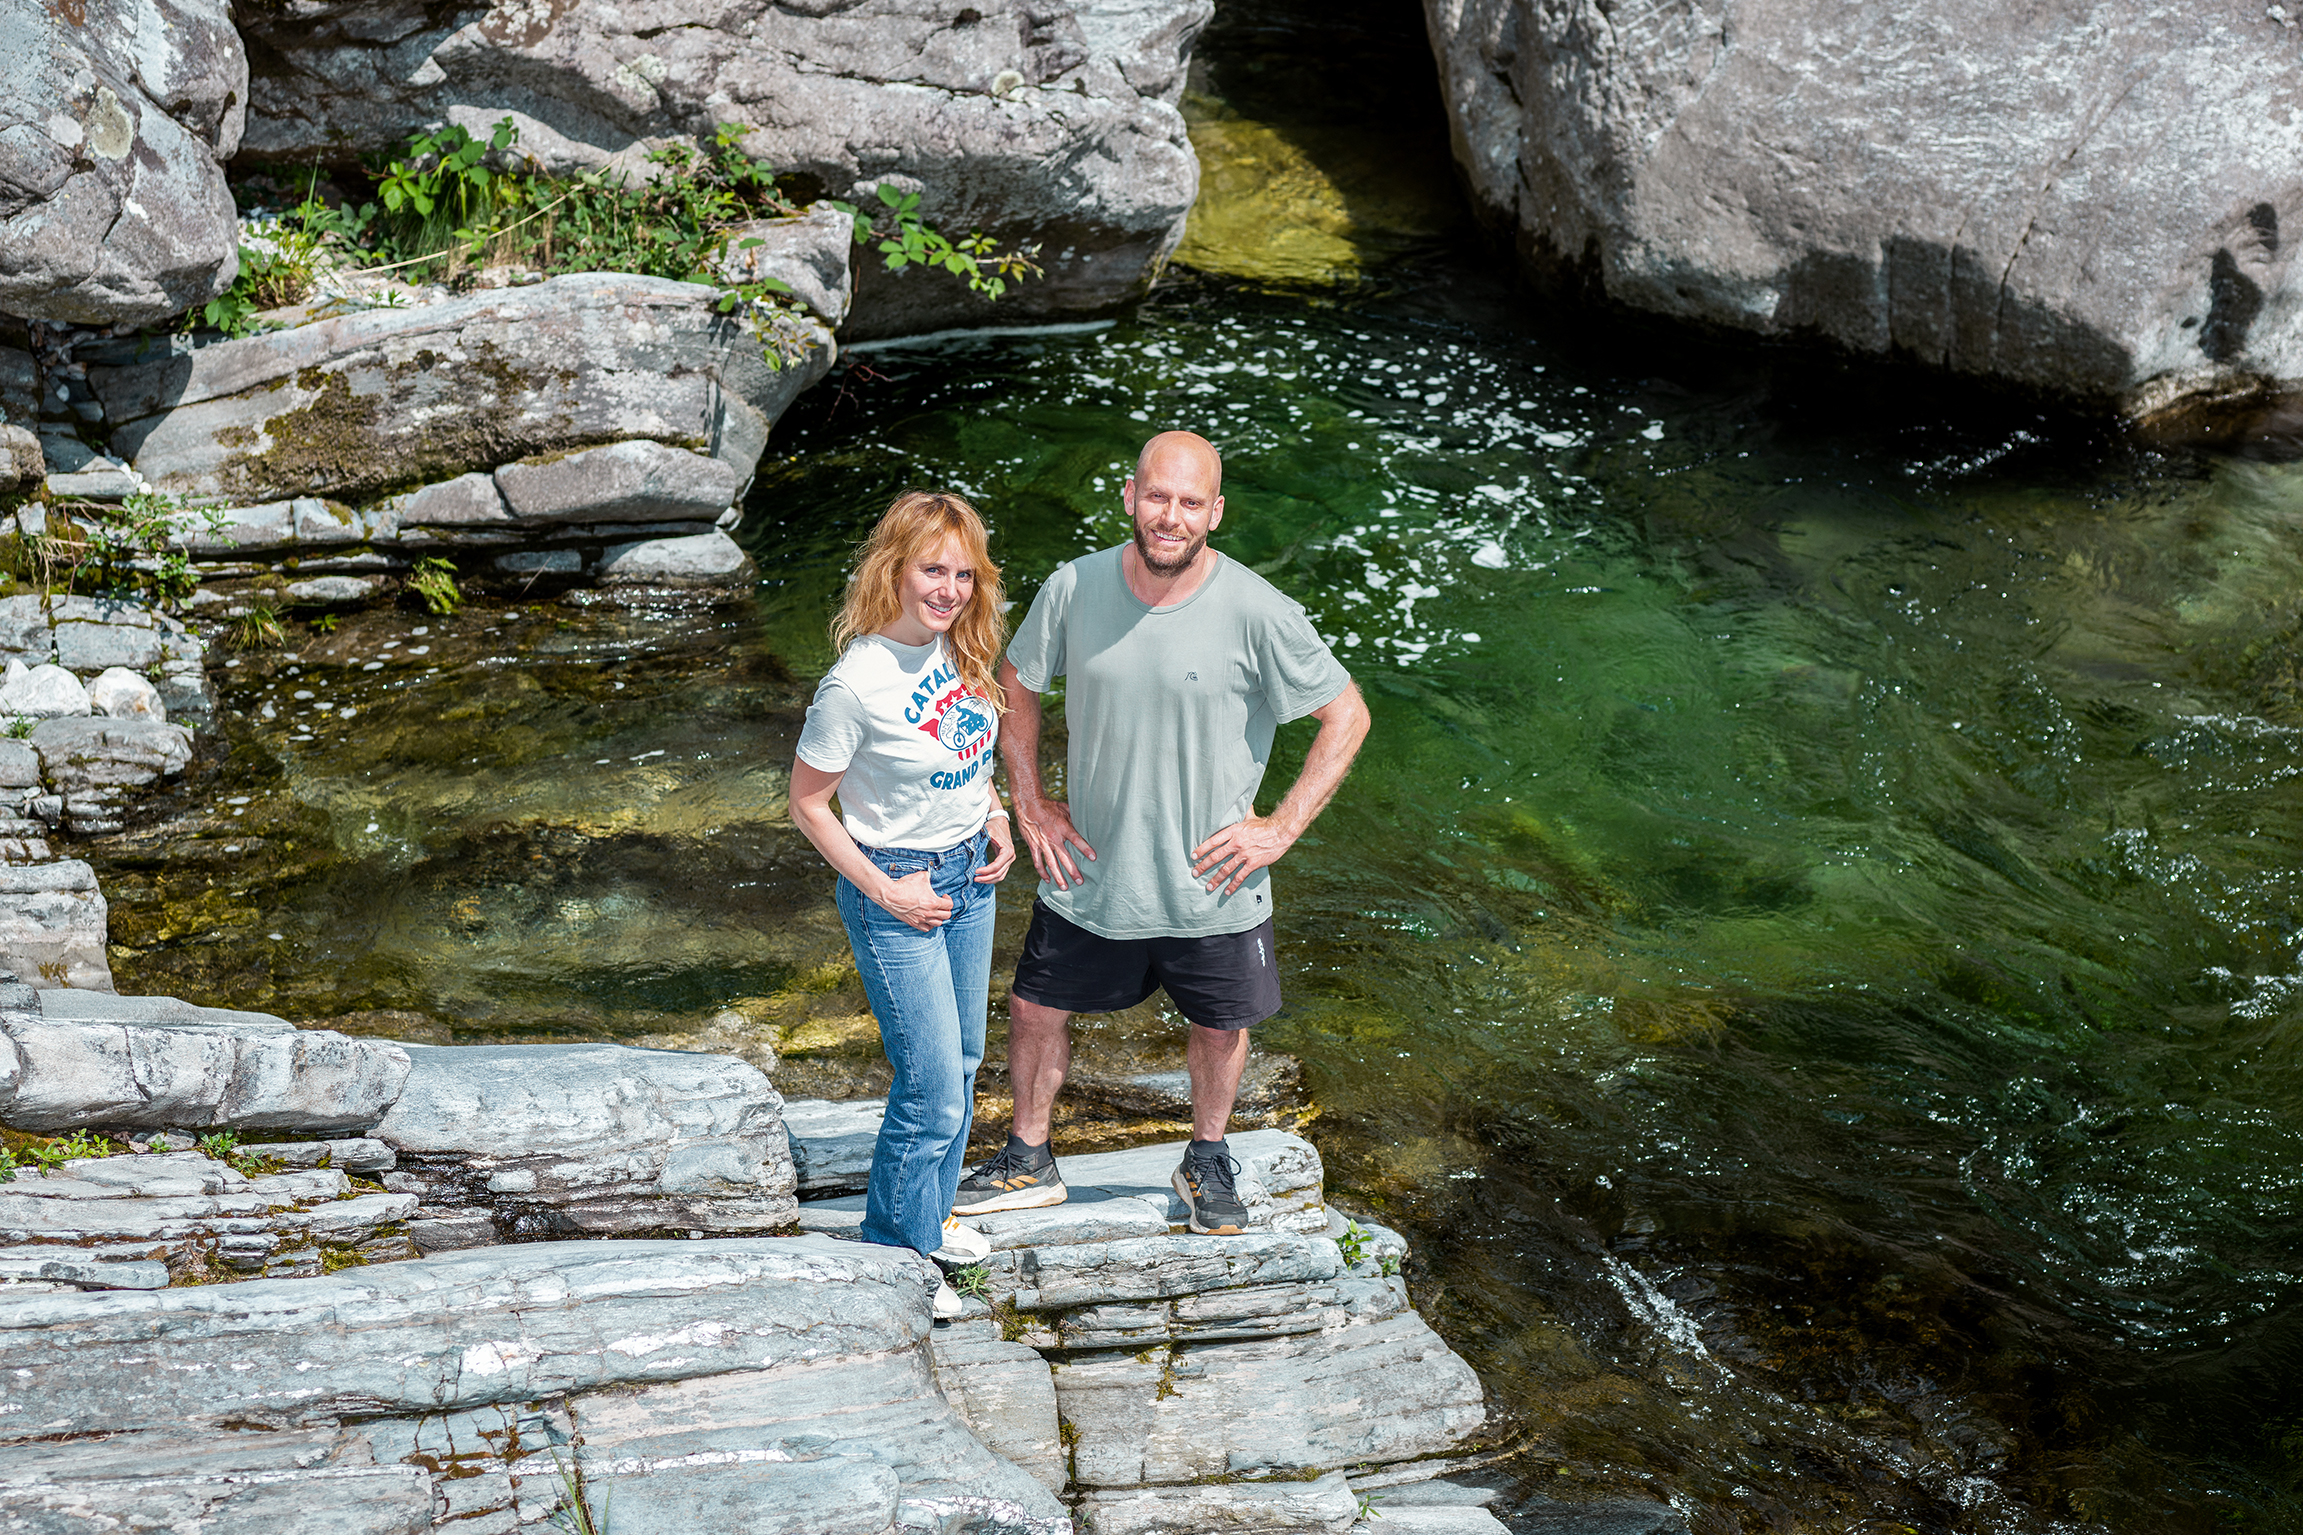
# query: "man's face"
1175,503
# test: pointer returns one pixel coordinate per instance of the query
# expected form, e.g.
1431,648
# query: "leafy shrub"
121,549
434,580
451,201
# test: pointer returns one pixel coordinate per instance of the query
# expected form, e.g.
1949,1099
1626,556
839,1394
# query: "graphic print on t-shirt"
959,721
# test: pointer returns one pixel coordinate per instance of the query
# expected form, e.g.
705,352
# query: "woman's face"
931,593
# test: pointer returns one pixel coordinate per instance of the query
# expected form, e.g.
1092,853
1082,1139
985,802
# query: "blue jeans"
931,992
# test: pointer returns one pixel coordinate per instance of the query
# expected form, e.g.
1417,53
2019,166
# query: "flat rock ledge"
597,427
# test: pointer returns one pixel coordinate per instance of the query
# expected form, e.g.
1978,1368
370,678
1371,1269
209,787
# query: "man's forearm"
1343,725
1020,738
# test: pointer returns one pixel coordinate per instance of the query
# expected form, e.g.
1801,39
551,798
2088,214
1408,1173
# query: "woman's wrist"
997,813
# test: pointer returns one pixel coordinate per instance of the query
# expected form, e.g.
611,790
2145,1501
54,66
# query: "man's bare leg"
1217,1058
1039,1058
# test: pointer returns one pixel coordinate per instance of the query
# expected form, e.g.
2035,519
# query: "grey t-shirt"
1171,713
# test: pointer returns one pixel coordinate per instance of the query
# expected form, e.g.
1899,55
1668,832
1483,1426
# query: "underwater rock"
1048,121
112,149
2080,200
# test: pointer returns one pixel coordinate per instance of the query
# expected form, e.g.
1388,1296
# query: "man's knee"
1034,1016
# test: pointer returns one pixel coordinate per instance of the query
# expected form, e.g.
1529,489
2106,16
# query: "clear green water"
1810,948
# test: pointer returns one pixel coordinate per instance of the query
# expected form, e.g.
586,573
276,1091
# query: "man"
1181,664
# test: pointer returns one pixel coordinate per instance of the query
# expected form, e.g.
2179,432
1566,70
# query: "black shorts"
1222,981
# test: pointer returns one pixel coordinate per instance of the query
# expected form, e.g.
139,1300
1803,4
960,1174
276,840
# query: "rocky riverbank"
412,1371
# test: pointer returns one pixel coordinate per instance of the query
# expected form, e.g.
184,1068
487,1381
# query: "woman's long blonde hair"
914,523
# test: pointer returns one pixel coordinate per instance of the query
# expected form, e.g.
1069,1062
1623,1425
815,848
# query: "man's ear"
1215,515
1128,494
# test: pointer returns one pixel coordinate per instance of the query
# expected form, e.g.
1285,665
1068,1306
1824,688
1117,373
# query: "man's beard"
1176,566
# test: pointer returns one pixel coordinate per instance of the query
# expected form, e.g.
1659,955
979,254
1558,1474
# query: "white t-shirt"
912,745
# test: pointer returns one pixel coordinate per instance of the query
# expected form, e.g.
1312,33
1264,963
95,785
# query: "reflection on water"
1811,947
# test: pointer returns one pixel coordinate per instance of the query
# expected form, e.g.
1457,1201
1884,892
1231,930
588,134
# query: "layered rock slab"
507,1141
1038,120
351,408
102,1065
2098,201
749,1383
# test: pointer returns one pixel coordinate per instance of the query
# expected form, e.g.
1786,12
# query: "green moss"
361,447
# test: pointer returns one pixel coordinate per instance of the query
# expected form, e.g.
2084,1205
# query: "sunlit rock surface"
113,133
1048,123
2094,200
718,1385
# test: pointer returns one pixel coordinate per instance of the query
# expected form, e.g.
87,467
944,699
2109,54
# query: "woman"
902,728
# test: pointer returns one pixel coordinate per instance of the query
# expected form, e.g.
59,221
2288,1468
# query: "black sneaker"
1210,1187
1013,1180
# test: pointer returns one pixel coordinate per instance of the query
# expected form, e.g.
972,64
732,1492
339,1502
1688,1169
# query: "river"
1810,950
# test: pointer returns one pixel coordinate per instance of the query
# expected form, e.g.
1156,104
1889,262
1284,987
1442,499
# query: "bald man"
1180,665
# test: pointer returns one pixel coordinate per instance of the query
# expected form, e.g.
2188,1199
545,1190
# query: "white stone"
121,694
45,692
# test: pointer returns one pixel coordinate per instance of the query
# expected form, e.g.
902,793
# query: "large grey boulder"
1325,1506
1039,120
94,762
539,1139
308,1482
113,205
2097,200
359,406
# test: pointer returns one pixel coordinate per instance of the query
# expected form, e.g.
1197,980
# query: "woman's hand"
1003,843
913,899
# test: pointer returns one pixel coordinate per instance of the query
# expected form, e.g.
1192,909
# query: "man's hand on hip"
1239,850
1049,833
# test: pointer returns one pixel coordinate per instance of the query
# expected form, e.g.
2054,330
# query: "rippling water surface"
1810,949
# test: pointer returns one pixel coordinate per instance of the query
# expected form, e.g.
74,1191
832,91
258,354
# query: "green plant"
904,239
326,623
52,1154
219,1146
125,547
258,629
434,580
575,1515
1367,1508
973,1280
7,1163
443,199
22,726
1389,1265
1353,1243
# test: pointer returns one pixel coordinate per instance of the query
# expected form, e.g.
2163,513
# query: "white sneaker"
962,1244
946,1305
